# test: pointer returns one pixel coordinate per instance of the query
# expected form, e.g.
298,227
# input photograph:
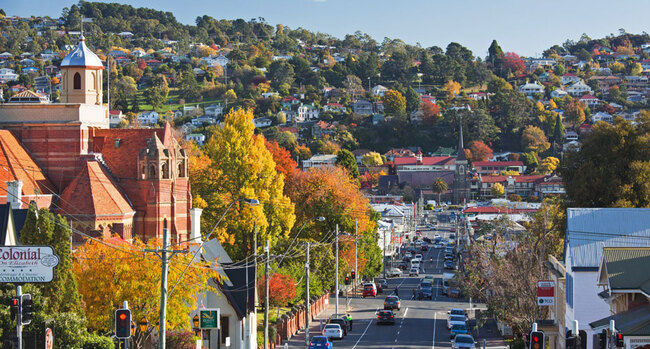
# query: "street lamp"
143,324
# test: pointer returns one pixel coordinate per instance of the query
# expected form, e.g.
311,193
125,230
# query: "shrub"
94,341
181,340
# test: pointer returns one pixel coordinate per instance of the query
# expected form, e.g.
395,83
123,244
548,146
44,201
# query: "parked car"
318,342
395,272
369,290
453,292
392,303
402,266
438,245
449,265
463,341
428,278
346,327
418,257
332,330
437,237
455,319
457,312
414,272
449,256
457,329
408,255
385,317
415,264
343,324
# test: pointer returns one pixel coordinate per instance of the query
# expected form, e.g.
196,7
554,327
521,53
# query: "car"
402,266
317,342
414,272
463,341
451,242
452,236
369,290
457,311
395,272
449,265
437,237
415,264
385,317
343,324
332,330
427,240
426,289
392,303
408,255
425,247
449,256
428,278
457,329
453,292
455,319
438,245
418,257
346,326
383,283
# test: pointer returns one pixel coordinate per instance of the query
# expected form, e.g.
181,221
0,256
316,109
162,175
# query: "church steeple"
461,147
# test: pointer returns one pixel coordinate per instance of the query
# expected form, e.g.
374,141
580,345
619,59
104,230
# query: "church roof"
82,56
93,192
17,164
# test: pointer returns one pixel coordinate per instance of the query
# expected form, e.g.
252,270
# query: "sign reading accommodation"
208,318
27,263
545,292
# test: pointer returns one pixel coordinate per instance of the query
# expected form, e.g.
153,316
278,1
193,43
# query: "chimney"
15,194
195,230
418,157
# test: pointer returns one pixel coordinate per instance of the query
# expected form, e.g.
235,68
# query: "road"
419,323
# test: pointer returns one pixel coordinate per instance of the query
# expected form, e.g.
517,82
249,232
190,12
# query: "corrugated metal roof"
634,322
627,268
591,229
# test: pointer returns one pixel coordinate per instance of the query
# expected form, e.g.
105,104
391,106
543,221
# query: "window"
165,170
225,328
77,81
152,171
569,289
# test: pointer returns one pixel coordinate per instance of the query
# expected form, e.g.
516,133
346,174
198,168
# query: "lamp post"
337,268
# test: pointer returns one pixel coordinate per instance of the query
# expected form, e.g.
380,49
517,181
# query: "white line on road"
433,345
364,332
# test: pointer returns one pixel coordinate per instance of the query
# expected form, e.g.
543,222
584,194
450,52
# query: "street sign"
49,338
545,293
209,318
27,263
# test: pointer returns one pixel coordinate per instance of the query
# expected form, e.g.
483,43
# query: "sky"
525,27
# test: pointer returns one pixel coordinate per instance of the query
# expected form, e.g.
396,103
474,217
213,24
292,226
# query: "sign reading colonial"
545,292
27,263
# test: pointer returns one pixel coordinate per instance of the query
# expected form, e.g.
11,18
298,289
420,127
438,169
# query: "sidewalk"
490,333
298,340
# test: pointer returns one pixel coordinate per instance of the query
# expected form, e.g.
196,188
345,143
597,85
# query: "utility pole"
307,316
356,252
266,302
19,316
384,259
337,269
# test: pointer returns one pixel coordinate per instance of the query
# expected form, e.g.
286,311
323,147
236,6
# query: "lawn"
273,314
174,99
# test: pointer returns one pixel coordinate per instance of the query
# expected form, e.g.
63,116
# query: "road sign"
545,293
209,318
49,338
27,263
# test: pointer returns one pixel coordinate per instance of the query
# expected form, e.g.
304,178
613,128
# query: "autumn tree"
372,159
534,139
394,103
452,88
346,159
236,165
548,165
512,63
113,270
574,112
480,151
430,111
439,186
282,289
284,162
498,190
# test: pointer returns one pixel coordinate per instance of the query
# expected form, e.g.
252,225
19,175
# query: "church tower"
81,72
461,182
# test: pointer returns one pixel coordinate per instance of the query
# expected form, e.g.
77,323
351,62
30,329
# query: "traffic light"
347,280
14,305
537,340
620,340
602,339
123,323
27,314
353,275
582,339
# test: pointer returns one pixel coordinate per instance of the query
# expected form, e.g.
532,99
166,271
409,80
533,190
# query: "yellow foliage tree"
372,159
114,271
540,106
498,189
236,165
452,88
552,104
548,165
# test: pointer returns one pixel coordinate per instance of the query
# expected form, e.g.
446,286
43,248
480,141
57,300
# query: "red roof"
585,97
428,160
17,164
569,75
289,99
496,210
335,105
93,192
518,179
497,163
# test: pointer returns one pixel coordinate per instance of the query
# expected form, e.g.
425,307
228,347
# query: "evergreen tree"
346,159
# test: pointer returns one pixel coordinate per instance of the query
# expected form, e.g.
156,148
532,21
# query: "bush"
94,341
514,197
181,340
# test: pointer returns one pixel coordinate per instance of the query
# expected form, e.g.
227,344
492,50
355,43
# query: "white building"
602,116
115,117
196,137
214,110
531,88
7,74
578,89
588,231
319,160
262,122
557,93
307,112
379,90
148,118
569,78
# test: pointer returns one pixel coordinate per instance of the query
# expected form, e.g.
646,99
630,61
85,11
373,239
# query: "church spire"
461,147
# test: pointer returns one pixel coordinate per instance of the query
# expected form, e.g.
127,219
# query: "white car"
463,341
455,320
414,272
408,255
415,264
395,272
333,331
439,245
418,257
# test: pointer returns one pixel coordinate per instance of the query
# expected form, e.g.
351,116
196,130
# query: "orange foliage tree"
282,289
480,151
284,162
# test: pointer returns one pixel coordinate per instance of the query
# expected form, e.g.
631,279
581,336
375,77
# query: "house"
29,70
222,60
606,82
153,63
569,78
377,118
636,97
213,110
7,75
117,53
590,101
28,96
571,136
198,71
232,295
359,153
321,128
558,93
545,76
523,185
531,88
190,110
549,185
198,138
210,120
6,55
262,122
307,112
335,108
379,107
477,96
623,274
288,102
293,130
148,117
319,160
115,117
379,90
126,35
362,107
588,232
578,89
602,116
636,83
51,69
398,152
496,167
28,62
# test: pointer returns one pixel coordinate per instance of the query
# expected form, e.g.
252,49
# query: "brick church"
64,156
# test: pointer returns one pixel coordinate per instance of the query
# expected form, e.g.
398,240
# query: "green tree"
346,159
372,159
154,97
558,131
412,100
189,89
439,186
394,104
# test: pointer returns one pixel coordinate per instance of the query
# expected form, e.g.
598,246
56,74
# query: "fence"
294,320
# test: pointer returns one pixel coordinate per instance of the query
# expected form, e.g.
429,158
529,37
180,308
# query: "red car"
369,290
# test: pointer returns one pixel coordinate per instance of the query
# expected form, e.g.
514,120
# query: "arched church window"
152,171
165,170
77,81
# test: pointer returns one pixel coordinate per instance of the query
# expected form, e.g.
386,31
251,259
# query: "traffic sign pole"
19,317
